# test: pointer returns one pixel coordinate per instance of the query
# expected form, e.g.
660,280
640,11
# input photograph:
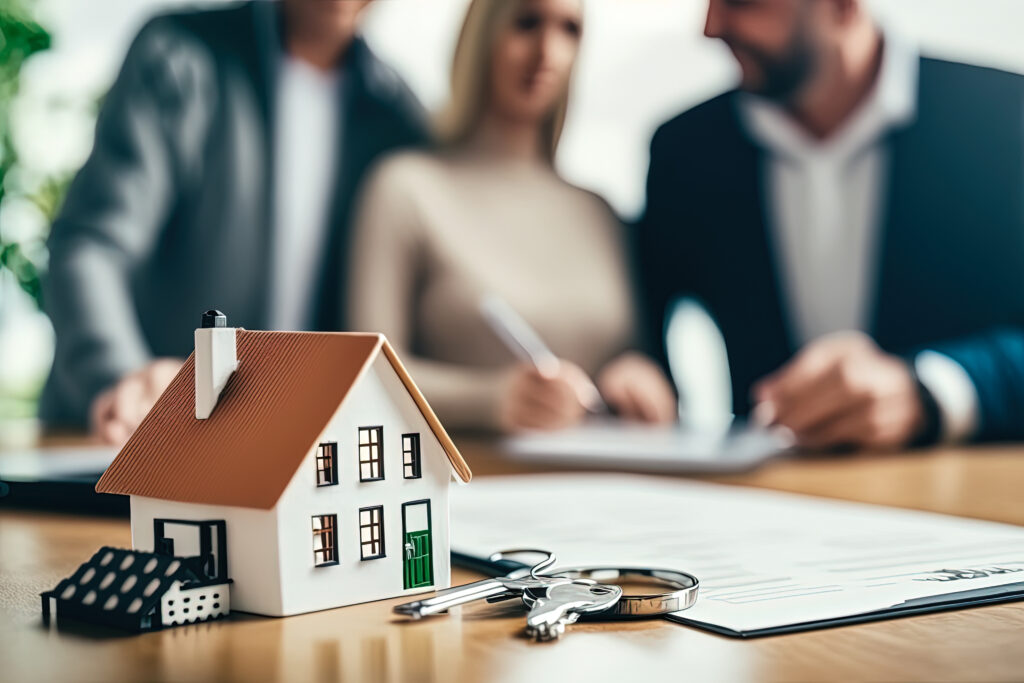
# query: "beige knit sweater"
435,232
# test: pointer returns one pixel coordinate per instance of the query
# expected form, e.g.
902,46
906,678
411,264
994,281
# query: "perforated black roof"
122,583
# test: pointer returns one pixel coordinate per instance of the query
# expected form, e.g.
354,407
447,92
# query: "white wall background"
642,61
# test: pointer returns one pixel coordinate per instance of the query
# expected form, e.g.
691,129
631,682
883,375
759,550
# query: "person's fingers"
529,415
636,389
561,393
661,399
160,375
763,412
550,395
117,411
569,383
811,361
115,432
664,409
534,402
642,398
512,415
806,392
809,364
105,433
568,409
532,419
100,415
627,408
154,382
546,406
623,404
832,395
615,395
671,408
613,385
584,390
866,423
99,410
641,406
761,391
848,429
138,408
128,399
795,378
870,424
107,427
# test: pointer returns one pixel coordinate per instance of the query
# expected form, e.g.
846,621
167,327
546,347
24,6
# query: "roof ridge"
455,458
311,333
301,379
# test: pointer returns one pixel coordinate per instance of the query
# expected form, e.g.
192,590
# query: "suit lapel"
355,151
262,57
752,310
890,256
912,256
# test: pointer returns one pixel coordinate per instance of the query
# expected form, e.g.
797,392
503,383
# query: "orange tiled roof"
273,408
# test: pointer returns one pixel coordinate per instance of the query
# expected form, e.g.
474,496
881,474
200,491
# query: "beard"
782,75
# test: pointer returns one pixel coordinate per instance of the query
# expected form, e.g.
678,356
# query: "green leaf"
21,36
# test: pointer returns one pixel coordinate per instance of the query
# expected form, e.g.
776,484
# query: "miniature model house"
315,453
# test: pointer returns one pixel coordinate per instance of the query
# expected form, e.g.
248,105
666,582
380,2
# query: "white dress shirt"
306,137
825,212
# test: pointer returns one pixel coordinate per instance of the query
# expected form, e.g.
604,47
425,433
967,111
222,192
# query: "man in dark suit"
853,217
226,160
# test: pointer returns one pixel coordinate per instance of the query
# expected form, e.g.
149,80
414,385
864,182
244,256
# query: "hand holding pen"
546,392
533,400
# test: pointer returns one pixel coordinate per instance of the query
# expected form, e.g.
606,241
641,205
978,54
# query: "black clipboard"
941,603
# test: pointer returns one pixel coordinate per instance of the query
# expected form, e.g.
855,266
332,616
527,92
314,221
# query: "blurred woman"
487,214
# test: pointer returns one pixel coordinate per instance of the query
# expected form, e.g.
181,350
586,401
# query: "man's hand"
116,412
636,389
842,390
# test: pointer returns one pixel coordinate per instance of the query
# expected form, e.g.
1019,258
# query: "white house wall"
379,398
251,536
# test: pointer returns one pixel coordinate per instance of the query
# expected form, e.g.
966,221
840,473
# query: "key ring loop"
642,606
549,558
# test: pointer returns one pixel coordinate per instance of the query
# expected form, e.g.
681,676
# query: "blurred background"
642,61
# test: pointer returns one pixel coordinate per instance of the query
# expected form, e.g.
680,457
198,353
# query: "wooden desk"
366,643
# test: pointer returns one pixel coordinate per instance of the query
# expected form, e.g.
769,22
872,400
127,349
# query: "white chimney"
215,360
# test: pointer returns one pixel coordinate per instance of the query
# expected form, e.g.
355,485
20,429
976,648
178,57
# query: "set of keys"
559,598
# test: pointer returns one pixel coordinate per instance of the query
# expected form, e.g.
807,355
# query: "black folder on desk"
58,479
952,601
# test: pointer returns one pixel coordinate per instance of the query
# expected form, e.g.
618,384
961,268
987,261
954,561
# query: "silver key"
552,608
511,585
478,590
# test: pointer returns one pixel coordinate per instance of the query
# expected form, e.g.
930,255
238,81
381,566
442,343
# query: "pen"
524,342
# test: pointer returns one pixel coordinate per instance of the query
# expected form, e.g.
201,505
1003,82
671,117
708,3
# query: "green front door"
418,567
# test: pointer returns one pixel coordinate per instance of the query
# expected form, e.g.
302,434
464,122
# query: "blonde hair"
471,69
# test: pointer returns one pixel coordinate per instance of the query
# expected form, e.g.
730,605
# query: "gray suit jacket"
171,214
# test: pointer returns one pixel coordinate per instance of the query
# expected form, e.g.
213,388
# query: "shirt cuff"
954,392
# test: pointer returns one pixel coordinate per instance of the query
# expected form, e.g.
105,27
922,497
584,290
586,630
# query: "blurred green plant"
29,200
21,36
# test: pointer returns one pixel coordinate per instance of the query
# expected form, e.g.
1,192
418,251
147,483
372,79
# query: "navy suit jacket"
950,261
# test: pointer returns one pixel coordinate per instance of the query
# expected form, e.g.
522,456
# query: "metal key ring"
549,558
640,606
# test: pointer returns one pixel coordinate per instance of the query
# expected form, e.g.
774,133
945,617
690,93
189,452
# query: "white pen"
524,342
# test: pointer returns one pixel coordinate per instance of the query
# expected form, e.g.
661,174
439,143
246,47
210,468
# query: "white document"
765,560
647,448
